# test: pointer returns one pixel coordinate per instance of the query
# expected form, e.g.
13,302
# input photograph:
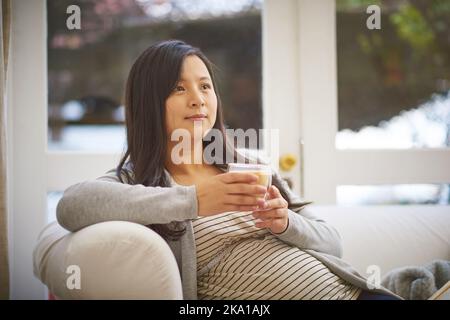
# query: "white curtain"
4,49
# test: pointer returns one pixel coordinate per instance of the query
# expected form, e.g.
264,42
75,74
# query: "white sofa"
123,260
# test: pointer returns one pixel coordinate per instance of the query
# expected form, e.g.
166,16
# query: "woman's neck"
186,169
185,164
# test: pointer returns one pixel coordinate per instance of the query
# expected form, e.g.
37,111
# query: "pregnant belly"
270,269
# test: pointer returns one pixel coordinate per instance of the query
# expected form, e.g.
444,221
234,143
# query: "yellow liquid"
263,178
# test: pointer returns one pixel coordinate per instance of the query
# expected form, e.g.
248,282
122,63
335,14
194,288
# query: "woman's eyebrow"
199,79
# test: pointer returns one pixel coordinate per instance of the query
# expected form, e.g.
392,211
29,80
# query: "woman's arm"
106,199
305,230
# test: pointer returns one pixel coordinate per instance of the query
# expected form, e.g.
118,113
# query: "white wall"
27,143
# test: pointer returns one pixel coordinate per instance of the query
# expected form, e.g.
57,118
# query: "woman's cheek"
172,123
213,110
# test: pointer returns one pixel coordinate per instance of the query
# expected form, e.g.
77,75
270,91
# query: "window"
393,83
361,125
393,93
87,68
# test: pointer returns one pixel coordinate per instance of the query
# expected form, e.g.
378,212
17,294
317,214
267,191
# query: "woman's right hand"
231,191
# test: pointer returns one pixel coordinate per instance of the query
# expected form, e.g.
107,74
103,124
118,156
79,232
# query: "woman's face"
194,95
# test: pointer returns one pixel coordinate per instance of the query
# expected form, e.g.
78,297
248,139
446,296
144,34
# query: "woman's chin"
195,133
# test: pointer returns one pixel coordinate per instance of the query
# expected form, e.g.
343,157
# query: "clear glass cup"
264,172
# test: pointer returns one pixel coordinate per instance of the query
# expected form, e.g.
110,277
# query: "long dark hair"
151,80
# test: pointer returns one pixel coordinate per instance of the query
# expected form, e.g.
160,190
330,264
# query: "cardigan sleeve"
106,199
305,230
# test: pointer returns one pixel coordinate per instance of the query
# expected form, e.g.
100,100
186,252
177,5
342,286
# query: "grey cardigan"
106,199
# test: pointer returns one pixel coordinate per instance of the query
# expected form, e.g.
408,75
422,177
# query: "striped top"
236,260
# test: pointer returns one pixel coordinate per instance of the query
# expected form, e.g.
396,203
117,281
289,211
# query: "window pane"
87,68
394,83
404,194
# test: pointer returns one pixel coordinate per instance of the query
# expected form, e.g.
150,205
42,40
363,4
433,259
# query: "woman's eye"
206,86
179,88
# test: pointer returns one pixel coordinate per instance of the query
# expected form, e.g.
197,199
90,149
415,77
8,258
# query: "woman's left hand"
275,215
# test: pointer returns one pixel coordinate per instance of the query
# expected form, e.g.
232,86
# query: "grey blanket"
418,283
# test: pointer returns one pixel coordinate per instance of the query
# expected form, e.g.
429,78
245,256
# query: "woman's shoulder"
112,175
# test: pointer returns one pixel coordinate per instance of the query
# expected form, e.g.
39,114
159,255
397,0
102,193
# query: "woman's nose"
196,100
195,103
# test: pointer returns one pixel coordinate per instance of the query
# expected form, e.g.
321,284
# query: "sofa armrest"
114,260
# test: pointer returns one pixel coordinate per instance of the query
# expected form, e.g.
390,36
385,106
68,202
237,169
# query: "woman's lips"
196,118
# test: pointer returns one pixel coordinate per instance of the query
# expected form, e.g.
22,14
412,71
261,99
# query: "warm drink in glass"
264,172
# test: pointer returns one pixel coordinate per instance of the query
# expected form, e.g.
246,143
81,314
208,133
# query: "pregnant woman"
232,238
